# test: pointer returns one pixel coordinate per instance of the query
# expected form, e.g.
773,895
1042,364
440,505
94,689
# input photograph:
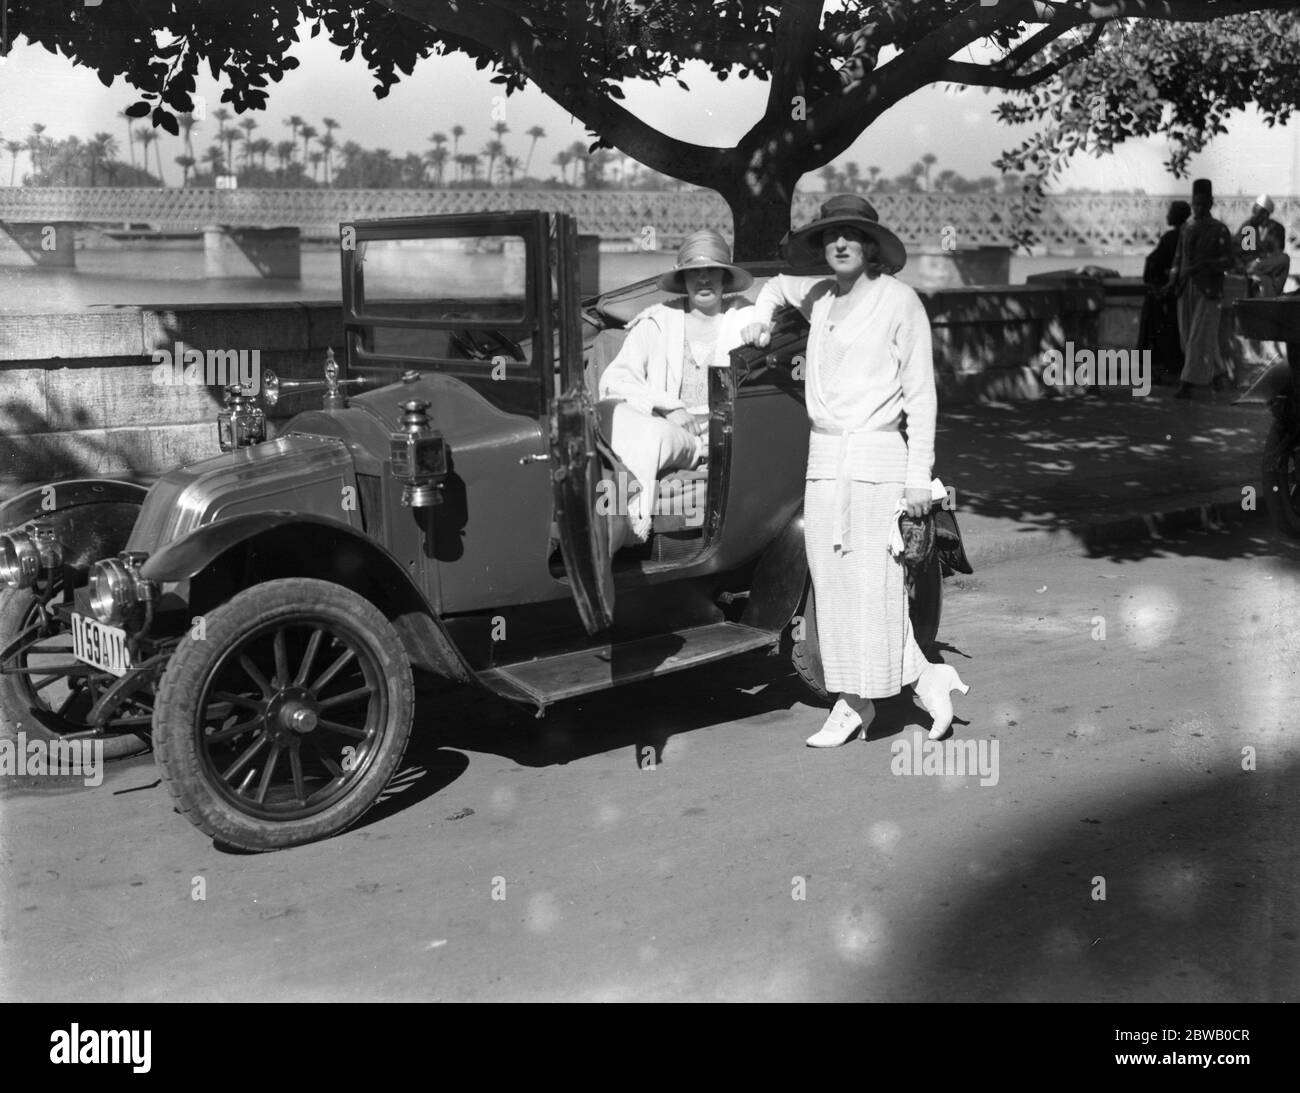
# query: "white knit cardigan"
886,382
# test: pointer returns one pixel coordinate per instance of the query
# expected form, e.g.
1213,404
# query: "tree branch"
795,37
556,69
997,75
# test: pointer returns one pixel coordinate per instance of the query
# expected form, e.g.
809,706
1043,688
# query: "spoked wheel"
47,694
286,719
1282,481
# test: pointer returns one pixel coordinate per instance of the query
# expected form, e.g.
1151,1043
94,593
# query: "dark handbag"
936,533
949,547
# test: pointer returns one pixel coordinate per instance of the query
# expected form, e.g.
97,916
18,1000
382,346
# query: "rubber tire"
176,745
16,606
925,611
1284,515
806,653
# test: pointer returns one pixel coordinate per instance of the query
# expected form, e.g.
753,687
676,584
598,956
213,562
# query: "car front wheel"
282,718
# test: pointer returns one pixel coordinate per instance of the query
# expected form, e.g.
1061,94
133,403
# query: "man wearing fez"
1203,255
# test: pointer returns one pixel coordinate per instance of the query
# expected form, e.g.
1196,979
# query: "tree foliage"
1089,73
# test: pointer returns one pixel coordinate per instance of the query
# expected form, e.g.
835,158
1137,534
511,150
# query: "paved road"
1119,763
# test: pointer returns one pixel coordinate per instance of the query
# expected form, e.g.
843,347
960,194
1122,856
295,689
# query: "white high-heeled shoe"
934,688
843,724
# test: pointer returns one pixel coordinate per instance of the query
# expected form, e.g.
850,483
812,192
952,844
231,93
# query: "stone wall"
78,394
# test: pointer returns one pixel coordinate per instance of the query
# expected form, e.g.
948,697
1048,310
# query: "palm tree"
537,133
187,123
329,142
130,137
34,142
215,156
261,147
492,149
457,131
562,160
186,164
223,115
578,156
352,154
294,123
852,176
830,177
874,172
928,161
13,147
327,147
101,149
284,151
946,180
306,132
317,158
248,125
437,158
146,136
511,166
466,160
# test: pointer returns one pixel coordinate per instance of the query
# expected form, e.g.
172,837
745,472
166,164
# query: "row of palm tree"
314,156
919,178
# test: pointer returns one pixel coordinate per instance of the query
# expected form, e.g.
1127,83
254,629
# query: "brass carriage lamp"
419,456
243,422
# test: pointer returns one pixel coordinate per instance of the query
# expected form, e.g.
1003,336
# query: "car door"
575,459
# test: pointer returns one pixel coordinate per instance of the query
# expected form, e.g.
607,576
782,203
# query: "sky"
956,125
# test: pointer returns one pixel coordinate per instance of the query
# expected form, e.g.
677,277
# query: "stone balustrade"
79,394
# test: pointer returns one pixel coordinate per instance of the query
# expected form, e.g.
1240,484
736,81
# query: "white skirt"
863,626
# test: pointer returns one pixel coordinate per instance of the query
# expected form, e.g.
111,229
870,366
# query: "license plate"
100,645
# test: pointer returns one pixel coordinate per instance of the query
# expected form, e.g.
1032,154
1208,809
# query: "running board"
567,675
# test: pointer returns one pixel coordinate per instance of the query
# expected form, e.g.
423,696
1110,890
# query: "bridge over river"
1082,224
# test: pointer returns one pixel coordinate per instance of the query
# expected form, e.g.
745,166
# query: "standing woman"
869,374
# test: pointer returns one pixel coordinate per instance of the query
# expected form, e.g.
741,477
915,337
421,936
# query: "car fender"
780,577
92,517
278,544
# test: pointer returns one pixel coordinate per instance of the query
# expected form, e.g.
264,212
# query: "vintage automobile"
1278,319
257,616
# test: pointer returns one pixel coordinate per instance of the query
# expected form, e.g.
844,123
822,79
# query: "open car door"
575,460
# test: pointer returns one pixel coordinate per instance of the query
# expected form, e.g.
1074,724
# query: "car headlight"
116,587
25,553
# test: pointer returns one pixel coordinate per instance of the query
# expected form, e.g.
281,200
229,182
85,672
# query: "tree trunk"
760,208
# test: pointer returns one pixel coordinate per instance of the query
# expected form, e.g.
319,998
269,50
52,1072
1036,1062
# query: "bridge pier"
45,245
251,252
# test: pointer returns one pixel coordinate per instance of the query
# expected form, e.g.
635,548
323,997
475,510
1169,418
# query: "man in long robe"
1203,256
1158,330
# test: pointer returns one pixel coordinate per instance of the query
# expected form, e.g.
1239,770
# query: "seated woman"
654,396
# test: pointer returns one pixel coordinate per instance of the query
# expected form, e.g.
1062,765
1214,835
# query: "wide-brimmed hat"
705,249
804,247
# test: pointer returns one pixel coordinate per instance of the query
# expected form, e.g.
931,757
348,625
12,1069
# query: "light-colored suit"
644,382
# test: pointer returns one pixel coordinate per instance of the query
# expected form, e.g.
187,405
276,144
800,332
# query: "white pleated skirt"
863,626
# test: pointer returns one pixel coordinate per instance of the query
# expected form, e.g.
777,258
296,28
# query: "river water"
172,273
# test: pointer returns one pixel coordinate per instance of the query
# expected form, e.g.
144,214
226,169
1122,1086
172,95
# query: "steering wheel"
483,345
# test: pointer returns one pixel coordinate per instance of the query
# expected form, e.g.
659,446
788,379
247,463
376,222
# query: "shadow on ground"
1202,902
1054,463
